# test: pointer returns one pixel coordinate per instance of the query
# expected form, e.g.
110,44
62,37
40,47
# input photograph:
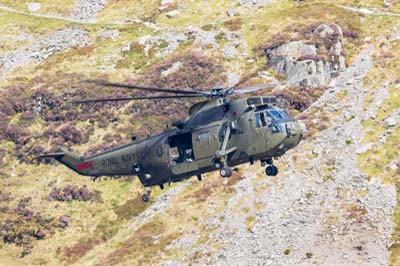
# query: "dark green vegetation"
22,226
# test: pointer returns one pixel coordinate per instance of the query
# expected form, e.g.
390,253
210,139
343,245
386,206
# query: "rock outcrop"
310,64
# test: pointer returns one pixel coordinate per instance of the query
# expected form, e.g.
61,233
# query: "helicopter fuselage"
217,134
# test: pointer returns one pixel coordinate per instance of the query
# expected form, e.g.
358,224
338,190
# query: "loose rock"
172,13
34,7
393,119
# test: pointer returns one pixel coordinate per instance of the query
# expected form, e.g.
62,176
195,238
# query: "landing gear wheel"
225,172
230,172
145,198
271,170
275,170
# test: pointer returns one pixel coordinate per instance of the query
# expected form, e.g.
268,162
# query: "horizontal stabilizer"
52,155
71,160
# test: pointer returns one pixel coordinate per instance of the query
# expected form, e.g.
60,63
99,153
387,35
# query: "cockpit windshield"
276,114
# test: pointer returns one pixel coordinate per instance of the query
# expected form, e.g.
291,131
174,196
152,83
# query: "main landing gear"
270,170
225,171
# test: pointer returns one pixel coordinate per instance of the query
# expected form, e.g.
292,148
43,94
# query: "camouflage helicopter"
218,134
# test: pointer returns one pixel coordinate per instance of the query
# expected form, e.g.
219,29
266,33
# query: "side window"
174,153
211,115
204,138
260,120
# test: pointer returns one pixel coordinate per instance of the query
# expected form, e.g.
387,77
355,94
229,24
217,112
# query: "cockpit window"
260,120
269,118
276,114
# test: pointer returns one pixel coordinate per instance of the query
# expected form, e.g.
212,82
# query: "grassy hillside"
108,227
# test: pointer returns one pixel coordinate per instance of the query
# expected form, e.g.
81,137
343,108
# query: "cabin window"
174,153
204,138
260,120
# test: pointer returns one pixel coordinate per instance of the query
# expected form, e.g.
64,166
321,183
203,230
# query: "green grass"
198,13
119,10
59,7
12,25
142,247
250,220
372,4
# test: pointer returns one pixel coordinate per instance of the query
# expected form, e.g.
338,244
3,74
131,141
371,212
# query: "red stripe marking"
84,165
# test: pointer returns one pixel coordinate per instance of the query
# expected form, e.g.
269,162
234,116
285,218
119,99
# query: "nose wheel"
146,197
271,170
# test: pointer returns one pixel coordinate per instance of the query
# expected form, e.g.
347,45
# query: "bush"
5,196
22,226
298,98
16,134
197,72
2,154
351,34
233,24
71,134
69,193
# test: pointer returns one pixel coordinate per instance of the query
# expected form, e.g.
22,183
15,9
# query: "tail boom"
71,160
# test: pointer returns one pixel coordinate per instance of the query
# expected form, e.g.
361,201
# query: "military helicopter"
218,134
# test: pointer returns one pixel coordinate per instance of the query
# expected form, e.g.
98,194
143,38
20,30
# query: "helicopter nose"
294,133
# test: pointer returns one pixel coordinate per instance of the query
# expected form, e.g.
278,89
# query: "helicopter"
218,134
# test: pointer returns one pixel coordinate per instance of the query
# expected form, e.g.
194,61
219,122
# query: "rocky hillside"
335,65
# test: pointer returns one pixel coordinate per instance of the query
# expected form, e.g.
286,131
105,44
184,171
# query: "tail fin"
69,159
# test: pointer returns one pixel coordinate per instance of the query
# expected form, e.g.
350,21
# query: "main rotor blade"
250,89
155,89
137,98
